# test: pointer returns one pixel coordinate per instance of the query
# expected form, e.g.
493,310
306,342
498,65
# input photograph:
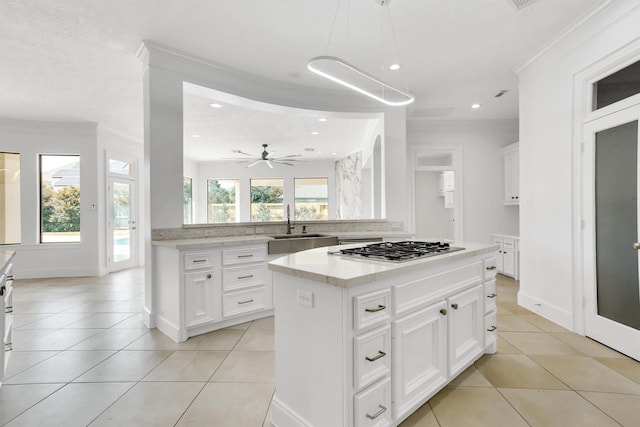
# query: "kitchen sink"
289,243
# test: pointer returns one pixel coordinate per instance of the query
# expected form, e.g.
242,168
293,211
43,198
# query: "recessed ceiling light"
195,136
215,105
319,152
475,106
395,67
333,154
315,133
322,119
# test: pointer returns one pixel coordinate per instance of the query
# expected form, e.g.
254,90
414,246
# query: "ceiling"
75,60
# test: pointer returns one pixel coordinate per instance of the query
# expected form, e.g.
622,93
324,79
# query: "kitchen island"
363,342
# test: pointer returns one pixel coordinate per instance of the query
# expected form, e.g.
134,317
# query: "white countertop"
5,258
320,266
263,238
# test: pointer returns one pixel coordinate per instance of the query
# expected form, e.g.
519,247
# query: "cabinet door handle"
2,290
208,276
377,356
491,267
491,296
491,329
373,310
245,277
199,260
377,414
454,306
443,311
245,302
245,256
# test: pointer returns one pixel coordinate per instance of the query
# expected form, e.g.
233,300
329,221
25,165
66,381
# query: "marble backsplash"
242,229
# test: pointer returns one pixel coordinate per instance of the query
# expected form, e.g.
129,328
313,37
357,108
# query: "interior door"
612,290
122,224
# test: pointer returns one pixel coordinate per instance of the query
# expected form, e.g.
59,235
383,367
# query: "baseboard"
169,329
283,416
147,318
51,272
549,311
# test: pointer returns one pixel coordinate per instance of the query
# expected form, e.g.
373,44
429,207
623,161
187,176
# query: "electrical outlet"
305,298
259,230
249,231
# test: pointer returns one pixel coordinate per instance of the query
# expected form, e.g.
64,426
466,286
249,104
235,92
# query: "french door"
612,248
123,235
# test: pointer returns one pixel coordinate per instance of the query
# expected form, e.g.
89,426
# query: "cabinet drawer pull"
2,290
373,310
377,414
245,302
245,256
199,260
443,311
245,277
376,357
208,276
491,296
492,267
454,306
491,329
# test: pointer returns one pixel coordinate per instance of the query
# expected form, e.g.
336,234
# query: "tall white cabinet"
511,154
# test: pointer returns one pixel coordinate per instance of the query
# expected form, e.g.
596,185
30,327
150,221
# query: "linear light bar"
341,72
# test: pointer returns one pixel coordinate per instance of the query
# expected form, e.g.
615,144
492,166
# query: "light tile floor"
83,357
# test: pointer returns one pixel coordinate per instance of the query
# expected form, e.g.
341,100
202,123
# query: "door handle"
636,246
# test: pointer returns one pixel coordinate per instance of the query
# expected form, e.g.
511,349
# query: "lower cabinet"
507,255
466,328
198,297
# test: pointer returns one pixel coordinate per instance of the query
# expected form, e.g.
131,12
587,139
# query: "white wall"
222,170
433,221
483,170
549,217
31,139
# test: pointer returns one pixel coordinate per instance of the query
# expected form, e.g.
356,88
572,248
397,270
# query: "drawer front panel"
372,407
489,268
243,302
371,357
243,277
371,309
193,260
243,255
422,293
490,296
490,329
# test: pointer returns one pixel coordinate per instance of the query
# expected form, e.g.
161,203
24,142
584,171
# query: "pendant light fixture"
342,72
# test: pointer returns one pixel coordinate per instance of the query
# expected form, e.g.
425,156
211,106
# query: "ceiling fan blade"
280,162
269,164
254,163
287,157
243,153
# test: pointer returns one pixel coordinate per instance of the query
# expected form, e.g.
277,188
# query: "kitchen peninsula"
362,342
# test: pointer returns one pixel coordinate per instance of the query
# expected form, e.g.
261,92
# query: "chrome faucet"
289,226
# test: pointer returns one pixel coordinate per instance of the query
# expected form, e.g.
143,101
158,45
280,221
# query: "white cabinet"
446,187
507,255
466,328
511,155
208,287
6,310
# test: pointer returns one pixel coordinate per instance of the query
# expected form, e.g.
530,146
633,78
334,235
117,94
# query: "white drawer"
490,296
491,329
372,407
371,309
243,276
193,260
243,255
371,357
489,269
243,301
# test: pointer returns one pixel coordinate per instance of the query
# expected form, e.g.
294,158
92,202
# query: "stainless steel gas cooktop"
399,251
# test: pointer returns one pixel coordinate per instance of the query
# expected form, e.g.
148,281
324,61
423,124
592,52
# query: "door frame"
582,115
132,180
456,166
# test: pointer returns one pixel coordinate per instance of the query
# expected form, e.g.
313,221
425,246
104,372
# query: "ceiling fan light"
345,74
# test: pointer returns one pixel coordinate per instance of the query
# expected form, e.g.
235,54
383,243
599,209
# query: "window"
9,199
266,200
119,167
59,198
311,199
222,200
187,206
616,87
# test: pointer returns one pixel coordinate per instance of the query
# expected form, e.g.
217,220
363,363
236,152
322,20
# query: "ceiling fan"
264,158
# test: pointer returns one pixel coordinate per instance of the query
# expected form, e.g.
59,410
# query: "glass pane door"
122,225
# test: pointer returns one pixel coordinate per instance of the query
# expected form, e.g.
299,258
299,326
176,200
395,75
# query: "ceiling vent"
500,93
520,4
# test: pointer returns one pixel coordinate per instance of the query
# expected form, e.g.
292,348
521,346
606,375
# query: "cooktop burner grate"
400,251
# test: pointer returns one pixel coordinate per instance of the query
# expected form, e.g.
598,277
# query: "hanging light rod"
341,72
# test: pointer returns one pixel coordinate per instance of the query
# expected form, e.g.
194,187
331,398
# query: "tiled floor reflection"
83,357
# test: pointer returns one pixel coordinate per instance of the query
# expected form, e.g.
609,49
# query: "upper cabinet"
511,155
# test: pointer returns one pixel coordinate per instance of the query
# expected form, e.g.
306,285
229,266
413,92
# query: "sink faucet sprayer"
289,226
